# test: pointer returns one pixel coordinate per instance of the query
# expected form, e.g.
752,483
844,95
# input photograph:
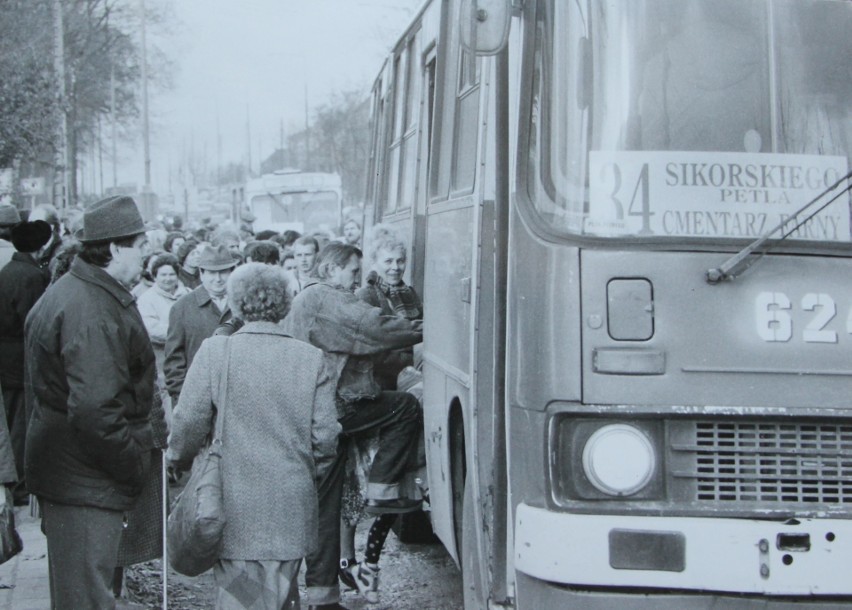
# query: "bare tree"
29,108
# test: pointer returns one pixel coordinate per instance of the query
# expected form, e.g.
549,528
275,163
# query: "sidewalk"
24,582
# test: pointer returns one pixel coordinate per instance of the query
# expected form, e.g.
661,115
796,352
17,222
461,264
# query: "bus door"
452,233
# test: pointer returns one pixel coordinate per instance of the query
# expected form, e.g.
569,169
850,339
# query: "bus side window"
466,124
453,167
408,163
396,119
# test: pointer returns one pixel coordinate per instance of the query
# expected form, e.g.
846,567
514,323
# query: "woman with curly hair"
386,289
278,436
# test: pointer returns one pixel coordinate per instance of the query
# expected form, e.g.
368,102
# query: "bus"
294,200
630,226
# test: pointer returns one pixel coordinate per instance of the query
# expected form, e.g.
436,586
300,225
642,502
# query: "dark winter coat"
22,282
192,319
89,385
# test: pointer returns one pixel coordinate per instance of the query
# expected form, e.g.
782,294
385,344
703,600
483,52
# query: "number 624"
775,322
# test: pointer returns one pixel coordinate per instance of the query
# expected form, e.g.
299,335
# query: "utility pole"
218,156
282,144
114,121
248,141
100,157
307,134
147,187
62,182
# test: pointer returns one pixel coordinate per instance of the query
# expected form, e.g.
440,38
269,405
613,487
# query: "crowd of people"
122,343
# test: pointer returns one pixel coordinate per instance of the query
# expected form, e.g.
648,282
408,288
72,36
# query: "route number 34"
775,324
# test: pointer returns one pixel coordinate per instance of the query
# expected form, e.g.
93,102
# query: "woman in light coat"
279,433
157,301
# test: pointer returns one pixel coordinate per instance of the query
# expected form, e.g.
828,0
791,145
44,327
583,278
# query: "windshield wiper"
743,259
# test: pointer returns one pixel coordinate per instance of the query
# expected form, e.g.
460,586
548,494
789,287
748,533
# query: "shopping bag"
10,541
197,521
195,527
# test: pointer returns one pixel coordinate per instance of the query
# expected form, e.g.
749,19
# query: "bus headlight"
619,459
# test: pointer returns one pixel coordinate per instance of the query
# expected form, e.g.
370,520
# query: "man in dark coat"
195,316
22,282
90,377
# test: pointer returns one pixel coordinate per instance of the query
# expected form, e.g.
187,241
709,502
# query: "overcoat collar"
21,257
202,297
263,328
97,276
181,291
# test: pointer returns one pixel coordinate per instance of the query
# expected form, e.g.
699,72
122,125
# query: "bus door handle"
465,289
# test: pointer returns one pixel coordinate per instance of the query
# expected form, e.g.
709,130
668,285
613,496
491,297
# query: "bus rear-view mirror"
485,25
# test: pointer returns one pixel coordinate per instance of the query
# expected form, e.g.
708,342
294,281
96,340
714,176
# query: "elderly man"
22,282
196,316
89,388
328,315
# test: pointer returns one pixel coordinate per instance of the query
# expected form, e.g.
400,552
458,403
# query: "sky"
257,61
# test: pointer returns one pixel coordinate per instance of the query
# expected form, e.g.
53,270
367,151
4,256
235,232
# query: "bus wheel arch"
458,468
464,518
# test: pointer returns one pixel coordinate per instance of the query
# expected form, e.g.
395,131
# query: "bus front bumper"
797,558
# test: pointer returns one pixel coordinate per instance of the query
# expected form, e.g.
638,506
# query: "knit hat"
111,219
30,236
9,215
216,258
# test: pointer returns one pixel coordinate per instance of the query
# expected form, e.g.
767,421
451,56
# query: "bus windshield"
690,119
309,210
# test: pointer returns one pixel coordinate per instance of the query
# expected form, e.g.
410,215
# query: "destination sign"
714,195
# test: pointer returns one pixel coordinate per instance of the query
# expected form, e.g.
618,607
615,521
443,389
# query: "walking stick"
165,560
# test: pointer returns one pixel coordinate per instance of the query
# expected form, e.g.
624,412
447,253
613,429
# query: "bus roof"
294,181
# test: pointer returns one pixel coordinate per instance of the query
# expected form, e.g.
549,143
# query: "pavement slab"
24,582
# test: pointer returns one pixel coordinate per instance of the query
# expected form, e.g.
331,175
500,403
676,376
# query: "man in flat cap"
196,315
22,282
89,370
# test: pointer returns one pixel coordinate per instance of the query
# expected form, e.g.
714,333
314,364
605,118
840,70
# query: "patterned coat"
280,428
388,365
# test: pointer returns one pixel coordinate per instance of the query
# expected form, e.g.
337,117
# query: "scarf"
402,299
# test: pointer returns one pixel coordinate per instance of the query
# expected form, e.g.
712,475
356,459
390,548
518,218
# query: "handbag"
197,521
10,541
